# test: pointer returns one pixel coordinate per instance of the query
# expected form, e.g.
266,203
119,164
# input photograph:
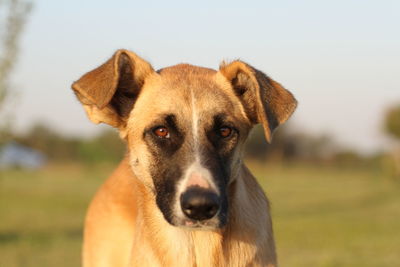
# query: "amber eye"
161,132
225,131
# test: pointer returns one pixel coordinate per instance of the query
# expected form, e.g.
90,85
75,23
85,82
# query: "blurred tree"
392,127
104,147
51,143
392,122
16,13
107,146
13,16
349,158
289,145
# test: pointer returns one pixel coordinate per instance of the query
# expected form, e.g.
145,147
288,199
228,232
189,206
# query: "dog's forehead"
184,89
182,70
177,87
187,78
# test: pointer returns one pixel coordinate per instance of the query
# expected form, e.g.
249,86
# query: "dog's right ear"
108,92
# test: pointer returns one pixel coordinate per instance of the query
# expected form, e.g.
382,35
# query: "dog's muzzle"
200,204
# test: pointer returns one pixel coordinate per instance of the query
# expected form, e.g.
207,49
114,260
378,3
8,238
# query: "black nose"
199,204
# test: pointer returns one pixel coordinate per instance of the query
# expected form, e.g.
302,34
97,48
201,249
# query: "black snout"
200,204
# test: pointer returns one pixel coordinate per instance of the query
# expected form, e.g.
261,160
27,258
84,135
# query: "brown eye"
225,131
161,132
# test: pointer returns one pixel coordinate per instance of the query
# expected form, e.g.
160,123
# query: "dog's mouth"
211,224
201,225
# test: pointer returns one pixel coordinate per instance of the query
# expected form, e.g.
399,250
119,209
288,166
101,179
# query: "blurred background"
332,172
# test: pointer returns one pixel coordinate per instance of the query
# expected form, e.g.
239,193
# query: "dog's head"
185,127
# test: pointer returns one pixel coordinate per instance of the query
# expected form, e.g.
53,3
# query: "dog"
182,196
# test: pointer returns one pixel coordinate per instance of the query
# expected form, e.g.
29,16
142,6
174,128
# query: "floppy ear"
108,92
264,100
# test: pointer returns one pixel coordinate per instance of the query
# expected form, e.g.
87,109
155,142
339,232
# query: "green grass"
42,214
322,216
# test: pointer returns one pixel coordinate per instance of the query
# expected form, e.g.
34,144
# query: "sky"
341,59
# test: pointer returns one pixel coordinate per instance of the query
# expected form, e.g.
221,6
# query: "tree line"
287,146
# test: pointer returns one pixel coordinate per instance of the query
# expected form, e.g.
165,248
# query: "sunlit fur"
124,225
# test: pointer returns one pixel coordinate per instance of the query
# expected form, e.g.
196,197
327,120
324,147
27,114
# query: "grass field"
322,216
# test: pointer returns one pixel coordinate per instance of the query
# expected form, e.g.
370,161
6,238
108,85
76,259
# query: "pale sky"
340,58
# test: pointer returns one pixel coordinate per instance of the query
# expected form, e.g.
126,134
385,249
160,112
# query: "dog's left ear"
108,92
264,100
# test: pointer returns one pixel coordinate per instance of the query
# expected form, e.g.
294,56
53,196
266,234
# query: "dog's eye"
161,132
225,131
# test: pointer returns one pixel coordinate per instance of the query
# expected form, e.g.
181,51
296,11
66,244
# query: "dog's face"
185,135
185,127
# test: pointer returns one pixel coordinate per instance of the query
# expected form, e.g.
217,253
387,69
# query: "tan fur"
124,226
